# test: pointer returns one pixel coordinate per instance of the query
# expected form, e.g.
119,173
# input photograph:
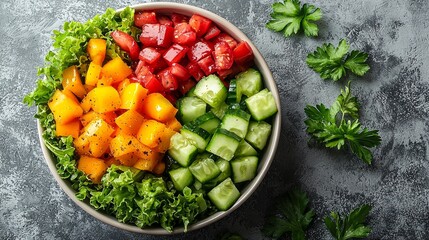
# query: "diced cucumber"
236,121
220,111
181,177
244,168
241,105
249,83
204,169
204,155
232,92
211,90
258,134
182,150
224,195
223,144
262,105
190,108
245,149
225,172
207,121
196,135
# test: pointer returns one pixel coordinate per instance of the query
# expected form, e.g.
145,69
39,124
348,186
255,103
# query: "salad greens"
339,125
295,216
289,17
123,192
350,226
332,62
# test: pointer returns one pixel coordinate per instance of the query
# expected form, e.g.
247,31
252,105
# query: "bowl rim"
269,152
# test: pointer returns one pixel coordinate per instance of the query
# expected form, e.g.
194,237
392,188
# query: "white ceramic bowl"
265,161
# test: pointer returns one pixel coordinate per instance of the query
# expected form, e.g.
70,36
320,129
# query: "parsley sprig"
339,125
289,17
332,62
350,226
294,218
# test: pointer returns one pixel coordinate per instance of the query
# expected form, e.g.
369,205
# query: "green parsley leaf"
289,17
332,62
338,126
294,216
350,226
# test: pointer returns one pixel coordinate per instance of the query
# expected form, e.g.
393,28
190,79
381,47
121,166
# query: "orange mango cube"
150,133
104,99
129,122
93,74
157,107
93,167
132,96
116,69
72,81
68,129
96,50
64,108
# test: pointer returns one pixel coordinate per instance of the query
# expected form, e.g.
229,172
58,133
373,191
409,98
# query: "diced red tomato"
141,18
212,32
165,36
226,38
179,18
170,97
149,35
168,81
184,35
153,85
195,70
199,51
165,20
179,72
186,86
223,56
158,65
175,53
207,64
243,53
200,24
127,43
149,55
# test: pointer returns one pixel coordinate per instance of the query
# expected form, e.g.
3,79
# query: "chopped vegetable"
289,17
339,125
349,226
295,216
332,63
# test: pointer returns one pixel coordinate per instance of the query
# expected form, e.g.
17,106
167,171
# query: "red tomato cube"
199,51
165,20
207,65
223,56
212,32
184,35
195,70
165,36
149,35
141,18
200,24
127,43
149,55
179,72
223,37
168,80
243,53
175,53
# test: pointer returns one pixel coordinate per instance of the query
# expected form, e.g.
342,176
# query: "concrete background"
394,97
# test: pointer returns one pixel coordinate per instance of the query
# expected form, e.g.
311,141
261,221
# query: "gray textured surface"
394,96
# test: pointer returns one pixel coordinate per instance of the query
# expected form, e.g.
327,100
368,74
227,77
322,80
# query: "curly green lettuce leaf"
289,17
